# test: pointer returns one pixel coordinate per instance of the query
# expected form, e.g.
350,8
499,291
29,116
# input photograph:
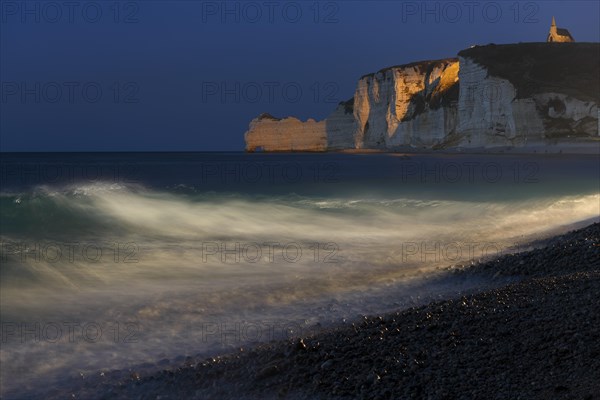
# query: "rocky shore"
538,338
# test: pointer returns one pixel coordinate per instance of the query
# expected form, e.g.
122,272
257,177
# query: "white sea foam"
385,252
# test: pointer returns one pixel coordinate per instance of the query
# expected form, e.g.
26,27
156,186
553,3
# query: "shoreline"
536,338
592,147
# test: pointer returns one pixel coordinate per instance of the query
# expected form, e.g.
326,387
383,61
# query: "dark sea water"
110,260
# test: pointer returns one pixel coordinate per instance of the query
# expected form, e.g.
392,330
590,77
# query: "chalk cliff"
527,94
289,134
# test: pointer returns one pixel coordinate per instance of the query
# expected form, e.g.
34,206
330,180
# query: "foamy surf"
132,273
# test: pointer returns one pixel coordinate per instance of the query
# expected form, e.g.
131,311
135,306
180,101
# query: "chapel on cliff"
558,34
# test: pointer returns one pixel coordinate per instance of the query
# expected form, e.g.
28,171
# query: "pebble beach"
537,338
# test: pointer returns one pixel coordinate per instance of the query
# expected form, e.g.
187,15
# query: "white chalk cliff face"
289,134
489,113
467,102
402,106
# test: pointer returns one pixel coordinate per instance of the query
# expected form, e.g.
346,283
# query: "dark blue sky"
190,75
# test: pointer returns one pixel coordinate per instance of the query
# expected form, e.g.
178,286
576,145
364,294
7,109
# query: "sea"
141,261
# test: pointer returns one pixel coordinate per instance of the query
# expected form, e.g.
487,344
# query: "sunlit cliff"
494,96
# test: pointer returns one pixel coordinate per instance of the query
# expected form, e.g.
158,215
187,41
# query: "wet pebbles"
538,338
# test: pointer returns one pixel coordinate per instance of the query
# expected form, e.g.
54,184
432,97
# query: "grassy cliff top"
422,66
570,68
267,116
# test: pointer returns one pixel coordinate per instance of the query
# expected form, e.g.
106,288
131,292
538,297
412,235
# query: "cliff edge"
515,95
